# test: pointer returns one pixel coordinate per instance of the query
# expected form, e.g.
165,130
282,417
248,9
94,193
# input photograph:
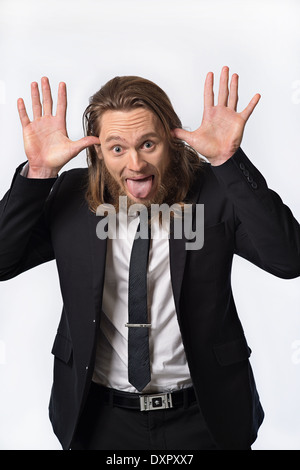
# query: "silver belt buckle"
156,402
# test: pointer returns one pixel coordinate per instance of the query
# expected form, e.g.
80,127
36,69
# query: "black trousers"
104,426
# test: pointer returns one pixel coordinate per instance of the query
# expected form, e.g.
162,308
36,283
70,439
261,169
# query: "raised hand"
46,142
222,127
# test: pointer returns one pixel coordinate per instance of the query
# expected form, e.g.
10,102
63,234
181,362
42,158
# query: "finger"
223,87
246,113
36,102
182,134
61,108
209,90
47,97
83,143
23,113
233,92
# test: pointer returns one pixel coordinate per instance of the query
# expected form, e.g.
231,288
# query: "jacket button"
254,185
242,166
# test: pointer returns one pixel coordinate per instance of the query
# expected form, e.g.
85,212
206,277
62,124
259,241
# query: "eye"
148,144
117,149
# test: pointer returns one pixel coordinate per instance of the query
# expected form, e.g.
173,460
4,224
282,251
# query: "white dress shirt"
169,369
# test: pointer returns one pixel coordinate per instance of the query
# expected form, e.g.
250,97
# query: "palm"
45,141
47,145
221,130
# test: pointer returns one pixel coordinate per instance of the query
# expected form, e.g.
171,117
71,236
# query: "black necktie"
138,326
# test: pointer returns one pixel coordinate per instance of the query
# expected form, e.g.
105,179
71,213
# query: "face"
135,152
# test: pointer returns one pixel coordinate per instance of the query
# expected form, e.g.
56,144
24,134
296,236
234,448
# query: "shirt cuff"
24,170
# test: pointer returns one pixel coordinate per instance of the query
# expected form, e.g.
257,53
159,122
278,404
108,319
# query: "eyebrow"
117,138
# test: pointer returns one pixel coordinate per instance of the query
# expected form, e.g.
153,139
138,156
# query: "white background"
174,43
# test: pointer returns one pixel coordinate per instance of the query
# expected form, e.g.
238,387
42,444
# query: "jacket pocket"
232,352
62,348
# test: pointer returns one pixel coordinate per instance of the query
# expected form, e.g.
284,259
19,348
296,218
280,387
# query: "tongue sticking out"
140,188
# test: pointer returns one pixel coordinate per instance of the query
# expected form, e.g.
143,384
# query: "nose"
135,161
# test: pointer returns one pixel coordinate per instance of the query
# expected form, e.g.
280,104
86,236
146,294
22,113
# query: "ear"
97,147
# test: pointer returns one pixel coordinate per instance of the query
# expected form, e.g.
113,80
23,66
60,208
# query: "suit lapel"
178,250
177,264
98,257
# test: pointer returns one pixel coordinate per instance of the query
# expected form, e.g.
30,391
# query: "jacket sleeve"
267,234
25,239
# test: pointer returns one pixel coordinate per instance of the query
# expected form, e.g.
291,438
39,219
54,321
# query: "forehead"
129,123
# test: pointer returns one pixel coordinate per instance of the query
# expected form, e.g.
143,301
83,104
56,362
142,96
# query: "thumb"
83,143
182,134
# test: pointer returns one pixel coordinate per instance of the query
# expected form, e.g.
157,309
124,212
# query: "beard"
166,192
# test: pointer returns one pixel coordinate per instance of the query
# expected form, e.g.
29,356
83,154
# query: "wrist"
41,173
222,158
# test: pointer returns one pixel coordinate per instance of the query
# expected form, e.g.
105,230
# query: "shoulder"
75,179
74,175
204,183
71,185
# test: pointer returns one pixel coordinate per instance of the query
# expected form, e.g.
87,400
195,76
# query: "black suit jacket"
43,220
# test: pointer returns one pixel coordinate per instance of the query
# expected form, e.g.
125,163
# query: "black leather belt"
144,402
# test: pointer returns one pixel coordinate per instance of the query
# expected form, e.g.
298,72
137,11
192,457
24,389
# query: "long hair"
126,93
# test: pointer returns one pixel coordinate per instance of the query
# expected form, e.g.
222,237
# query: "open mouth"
140,187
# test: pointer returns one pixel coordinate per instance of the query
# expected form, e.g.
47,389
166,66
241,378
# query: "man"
198,391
